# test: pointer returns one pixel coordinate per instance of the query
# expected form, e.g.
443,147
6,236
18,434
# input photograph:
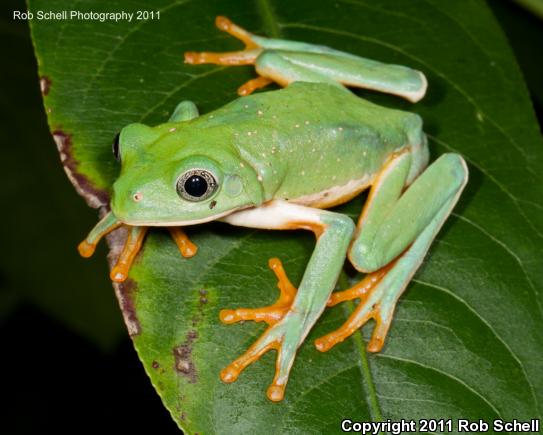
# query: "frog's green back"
305,138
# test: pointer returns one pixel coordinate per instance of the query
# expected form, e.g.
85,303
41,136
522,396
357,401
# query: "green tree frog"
276,160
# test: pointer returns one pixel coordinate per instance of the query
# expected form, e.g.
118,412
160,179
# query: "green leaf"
467,340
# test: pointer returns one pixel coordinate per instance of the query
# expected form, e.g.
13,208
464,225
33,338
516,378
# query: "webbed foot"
243,57
247,56
374,303
283,335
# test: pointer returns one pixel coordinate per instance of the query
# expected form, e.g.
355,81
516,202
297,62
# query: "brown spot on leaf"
125,295
95,197
203,296
184,364
45,85
125,291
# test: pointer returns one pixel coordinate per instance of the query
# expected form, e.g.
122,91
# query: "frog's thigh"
395,232
274,66
392,220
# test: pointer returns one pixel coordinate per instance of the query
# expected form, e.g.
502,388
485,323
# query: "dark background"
67,364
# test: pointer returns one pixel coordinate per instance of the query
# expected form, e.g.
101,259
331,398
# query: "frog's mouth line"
162,223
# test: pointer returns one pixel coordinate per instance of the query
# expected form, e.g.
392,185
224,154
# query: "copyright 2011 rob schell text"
441,425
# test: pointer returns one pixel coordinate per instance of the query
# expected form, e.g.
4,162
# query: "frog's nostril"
138,196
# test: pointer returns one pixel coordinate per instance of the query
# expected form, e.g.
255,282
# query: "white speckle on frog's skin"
338,160
303,172
260,112
364,153
274,172
274,116
241,164
340,128
249,133
306,122
246,106
211,116
297,126
273,150
259,178
479,116
313,150
334,178
264,155
138,196
171,130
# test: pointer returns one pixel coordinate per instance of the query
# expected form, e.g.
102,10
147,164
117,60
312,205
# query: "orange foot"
273,338
132,246
272,313
246,56
370,306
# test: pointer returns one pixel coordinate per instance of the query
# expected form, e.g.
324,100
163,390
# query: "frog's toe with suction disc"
243,57
272,313
280,336
373,304
132,245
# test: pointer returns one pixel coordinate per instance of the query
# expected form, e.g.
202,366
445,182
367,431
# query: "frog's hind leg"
242,57
394,233
285,67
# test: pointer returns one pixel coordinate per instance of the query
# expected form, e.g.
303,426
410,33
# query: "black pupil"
196,186
115,147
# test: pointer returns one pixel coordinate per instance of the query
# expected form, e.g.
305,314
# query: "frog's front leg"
132,245
394,233
333,232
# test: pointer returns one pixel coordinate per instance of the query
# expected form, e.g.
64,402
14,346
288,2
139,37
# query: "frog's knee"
455,167
364,259
185,111
267,61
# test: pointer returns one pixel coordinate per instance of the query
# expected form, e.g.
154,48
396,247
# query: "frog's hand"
273,313
131,247
394,233
284,62
333,233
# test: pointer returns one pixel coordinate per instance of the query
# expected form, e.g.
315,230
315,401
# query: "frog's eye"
116,147
196,185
